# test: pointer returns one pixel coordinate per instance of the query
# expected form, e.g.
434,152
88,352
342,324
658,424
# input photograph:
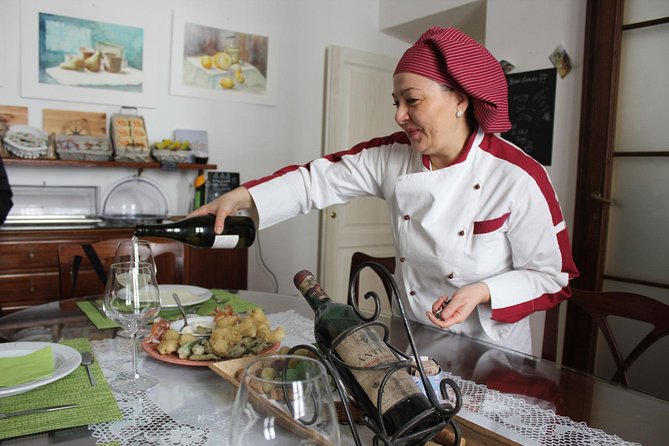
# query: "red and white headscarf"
451,58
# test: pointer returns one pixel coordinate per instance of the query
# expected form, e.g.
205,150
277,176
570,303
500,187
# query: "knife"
37,410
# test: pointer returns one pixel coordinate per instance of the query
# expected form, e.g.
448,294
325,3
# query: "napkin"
22,369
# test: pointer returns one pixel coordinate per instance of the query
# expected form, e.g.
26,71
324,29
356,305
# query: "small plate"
152,350
188,295
194,321
66,360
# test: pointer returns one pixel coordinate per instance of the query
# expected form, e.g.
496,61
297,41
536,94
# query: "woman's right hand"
226,204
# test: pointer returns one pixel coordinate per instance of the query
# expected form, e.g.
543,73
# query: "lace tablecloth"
192,405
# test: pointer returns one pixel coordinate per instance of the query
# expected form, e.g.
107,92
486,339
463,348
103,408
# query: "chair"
601,304
357,259
168,255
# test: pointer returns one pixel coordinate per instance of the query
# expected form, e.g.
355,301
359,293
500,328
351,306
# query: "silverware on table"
86,360
181,309
37,410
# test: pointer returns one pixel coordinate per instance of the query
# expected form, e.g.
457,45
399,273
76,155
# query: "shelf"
125,165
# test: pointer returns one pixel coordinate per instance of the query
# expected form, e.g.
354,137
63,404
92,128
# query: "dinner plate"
152,350
193,322
66,360
188,295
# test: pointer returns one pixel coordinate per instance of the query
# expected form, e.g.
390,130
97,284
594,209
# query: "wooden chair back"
358,258
168,254
599,305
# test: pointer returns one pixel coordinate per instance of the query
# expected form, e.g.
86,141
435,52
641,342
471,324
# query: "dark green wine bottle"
402,399
198,231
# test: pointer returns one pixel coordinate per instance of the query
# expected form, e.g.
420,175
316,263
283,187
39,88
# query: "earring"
459,114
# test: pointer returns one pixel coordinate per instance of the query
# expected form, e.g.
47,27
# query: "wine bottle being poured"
198,231
402,399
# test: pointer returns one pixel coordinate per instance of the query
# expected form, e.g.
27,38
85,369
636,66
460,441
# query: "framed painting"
220,59
87,53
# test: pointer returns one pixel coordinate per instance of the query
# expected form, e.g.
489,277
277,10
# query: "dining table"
507,397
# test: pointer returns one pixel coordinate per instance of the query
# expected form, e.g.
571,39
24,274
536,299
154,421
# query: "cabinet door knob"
31,289
333,215
31,255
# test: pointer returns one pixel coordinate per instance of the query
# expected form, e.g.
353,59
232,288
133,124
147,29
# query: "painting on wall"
93,54
222,60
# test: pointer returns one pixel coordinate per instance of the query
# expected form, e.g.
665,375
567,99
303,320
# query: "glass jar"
232,48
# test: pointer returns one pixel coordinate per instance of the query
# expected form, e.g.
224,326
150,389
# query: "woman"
476,222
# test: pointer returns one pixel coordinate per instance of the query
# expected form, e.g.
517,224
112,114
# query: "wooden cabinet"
29,265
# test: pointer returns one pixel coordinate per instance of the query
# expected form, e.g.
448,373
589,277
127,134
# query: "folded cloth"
96,404
94,314
22,369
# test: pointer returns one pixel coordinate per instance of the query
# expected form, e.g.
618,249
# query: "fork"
181,309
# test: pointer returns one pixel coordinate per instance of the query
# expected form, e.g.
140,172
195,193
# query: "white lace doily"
183,410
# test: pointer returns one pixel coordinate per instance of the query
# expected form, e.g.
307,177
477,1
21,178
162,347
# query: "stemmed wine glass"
134,251
284,400
131,300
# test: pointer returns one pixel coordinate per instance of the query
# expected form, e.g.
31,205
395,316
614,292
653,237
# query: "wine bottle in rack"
198,231
402,399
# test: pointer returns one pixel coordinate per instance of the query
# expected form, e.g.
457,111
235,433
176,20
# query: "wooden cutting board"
11,115
70,122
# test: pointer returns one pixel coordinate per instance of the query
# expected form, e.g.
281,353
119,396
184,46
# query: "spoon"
87,359
181,309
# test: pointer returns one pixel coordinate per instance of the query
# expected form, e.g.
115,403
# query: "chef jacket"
492,216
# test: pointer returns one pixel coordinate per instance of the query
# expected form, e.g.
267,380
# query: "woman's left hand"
460,306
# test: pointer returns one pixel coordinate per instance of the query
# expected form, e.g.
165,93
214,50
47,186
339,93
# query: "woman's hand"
460,306
226,204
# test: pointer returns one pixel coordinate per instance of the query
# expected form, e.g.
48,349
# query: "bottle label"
225,241
366,348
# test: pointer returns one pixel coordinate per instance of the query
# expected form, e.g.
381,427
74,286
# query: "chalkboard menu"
219,183
532,111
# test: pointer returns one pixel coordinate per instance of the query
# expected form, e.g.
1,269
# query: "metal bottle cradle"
441,411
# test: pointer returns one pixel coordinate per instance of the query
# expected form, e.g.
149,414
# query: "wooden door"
621,204
359,107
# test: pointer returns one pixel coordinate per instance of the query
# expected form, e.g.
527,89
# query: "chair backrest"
168,254
358,258
601,304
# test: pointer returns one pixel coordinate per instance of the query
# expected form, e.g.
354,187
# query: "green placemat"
96,404
94,314
220,299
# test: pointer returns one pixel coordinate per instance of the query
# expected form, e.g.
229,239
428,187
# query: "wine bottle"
198,231
199,187
402,399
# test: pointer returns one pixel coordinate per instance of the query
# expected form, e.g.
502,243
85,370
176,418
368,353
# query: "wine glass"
131,300
134,250
284,400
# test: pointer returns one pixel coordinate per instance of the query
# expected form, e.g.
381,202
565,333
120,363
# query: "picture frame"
246,70
55,33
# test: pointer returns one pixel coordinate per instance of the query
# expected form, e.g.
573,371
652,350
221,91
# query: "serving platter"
151,349
66,360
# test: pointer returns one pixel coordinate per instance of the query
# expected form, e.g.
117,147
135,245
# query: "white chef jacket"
492,216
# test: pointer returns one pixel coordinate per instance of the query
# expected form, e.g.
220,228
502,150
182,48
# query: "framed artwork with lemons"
222,59
87,52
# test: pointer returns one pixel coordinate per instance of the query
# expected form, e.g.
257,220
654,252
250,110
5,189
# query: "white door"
358,107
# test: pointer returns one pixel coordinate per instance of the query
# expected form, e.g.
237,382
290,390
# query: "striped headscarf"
449,57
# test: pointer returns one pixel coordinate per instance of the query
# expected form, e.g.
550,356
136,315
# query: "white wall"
256,140
251,139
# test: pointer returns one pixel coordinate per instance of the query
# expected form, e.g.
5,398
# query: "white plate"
188,295
66,360
194,321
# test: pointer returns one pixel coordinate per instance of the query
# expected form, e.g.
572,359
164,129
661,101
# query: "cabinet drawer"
21,290
27,255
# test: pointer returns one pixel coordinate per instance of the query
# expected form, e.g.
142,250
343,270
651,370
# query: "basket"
26,142
129,137
83,148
